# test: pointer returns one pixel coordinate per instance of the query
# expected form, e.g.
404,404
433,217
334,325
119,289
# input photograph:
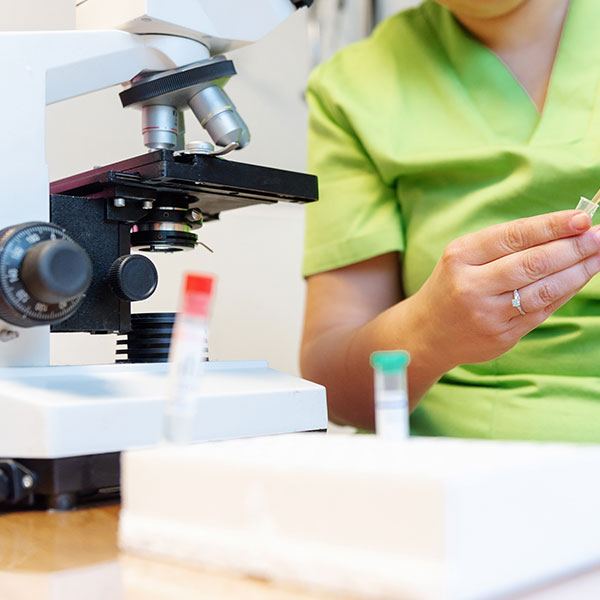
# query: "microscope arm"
91,60
40,68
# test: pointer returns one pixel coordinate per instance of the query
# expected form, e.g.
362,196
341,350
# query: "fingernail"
581,221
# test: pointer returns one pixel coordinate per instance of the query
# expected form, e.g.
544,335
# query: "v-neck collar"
504,105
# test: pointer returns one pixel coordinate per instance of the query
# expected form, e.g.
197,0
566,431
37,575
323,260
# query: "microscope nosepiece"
162,95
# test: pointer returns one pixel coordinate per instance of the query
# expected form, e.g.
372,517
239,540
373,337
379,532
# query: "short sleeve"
358,215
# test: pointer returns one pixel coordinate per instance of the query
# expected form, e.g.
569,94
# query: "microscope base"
62,483
68,424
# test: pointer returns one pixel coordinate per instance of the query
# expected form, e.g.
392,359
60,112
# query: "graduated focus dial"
43,274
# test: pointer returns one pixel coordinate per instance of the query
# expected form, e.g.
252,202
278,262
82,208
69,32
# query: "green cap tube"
392,361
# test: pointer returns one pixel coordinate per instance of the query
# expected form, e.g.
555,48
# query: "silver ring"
516,301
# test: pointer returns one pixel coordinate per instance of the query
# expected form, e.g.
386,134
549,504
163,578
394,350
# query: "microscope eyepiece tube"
160,126
218,115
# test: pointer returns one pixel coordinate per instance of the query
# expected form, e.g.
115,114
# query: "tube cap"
390,362
197,294
199,284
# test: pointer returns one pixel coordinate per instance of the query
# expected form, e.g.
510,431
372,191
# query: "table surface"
55,555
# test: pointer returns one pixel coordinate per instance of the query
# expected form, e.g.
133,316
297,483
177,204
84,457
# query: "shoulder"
396,58
394,48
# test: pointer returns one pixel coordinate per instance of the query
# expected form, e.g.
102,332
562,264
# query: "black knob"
133,277
43,274
56,271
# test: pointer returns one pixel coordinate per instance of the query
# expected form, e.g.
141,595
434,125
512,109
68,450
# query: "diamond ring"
516,301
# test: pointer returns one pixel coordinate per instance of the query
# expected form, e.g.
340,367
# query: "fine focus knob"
43,274
133,277
56,271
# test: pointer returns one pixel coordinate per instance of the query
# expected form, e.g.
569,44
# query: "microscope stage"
214,184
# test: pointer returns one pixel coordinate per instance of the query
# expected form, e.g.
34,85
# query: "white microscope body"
53,412
46,67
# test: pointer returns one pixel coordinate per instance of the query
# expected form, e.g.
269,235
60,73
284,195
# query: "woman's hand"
466,311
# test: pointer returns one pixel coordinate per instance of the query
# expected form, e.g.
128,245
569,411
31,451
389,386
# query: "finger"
534,264
551,290
556,305
499,240
522,325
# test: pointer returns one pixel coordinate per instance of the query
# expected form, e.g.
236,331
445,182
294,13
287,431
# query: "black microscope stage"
214,184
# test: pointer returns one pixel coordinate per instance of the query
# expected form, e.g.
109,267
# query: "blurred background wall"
257,251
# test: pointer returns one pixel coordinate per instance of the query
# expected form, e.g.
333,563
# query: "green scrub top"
419,135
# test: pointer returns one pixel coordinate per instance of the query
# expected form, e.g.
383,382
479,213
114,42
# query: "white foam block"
426,518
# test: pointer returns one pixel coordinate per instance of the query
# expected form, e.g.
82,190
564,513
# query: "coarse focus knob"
133,277
56,271
43,274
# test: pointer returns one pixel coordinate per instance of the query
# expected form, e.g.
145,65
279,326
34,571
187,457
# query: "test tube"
588,206
391,395
187,358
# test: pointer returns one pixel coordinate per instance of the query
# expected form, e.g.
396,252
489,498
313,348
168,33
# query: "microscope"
65,248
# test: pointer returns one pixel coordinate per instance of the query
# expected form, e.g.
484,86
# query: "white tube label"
391,414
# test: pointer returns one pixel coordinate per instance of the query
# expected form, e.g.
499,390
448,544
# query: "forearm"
339,359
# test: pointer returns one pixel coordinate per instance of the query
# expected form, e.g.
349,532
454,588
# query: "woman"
450,146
